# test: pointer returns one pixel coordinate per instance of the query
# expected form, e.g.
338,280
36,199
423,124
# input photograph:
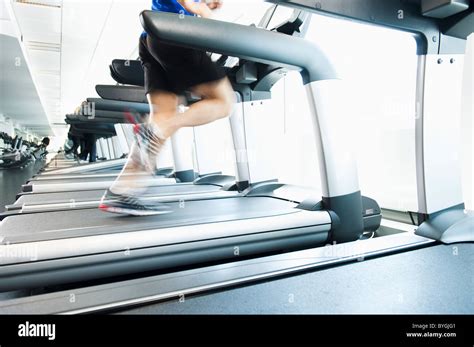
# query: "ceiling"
68,45
19,99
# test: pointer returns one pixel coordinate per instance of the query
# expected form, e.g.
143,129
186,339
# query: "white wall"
380,67
468,125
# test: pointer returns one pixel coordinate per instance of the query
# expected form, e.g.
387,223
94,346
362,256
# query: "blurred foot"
149,142
131,205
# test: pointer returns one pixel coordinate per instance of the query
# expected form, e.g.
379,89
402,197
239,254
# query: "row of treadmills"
224,230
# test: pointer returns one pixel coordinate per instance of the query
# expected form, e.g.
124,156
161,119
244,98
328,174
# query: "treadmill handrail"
246,42
122,71
432,35
119,106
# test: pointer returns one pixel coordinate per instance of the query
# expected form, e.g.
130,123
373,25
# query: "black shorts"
175,69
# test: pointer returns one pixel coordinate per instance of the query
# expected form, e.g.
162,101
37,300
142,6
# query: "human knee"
160,115
162,102
227,101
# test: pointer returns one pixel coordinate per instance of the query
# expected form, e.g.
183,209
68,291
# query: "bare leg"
162,105
217,101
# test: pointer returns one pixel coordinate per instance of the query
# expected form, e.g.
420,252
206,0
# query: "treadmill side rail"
63,261
113,296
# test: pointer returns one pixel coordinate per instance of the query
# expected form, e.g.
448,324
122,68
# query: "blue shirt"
172,6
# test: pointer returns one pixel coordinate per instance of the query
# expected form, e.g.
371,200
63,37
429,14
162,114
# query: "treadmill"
121,93
102,131
105,112
79,245
108,168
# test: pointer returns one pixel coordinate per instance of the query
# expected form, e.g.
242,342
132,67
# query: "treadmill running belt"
77,180
78,196
92,222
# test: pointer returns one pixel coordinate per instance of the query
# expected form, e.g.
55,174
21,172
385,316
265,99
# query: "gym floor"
432,280
11,181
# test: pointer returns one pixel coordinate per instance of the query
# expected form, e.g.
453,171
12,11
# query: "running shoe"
131,205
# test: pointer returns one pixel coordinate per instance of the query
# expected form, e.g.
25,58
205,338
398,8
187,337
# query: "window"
379,65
